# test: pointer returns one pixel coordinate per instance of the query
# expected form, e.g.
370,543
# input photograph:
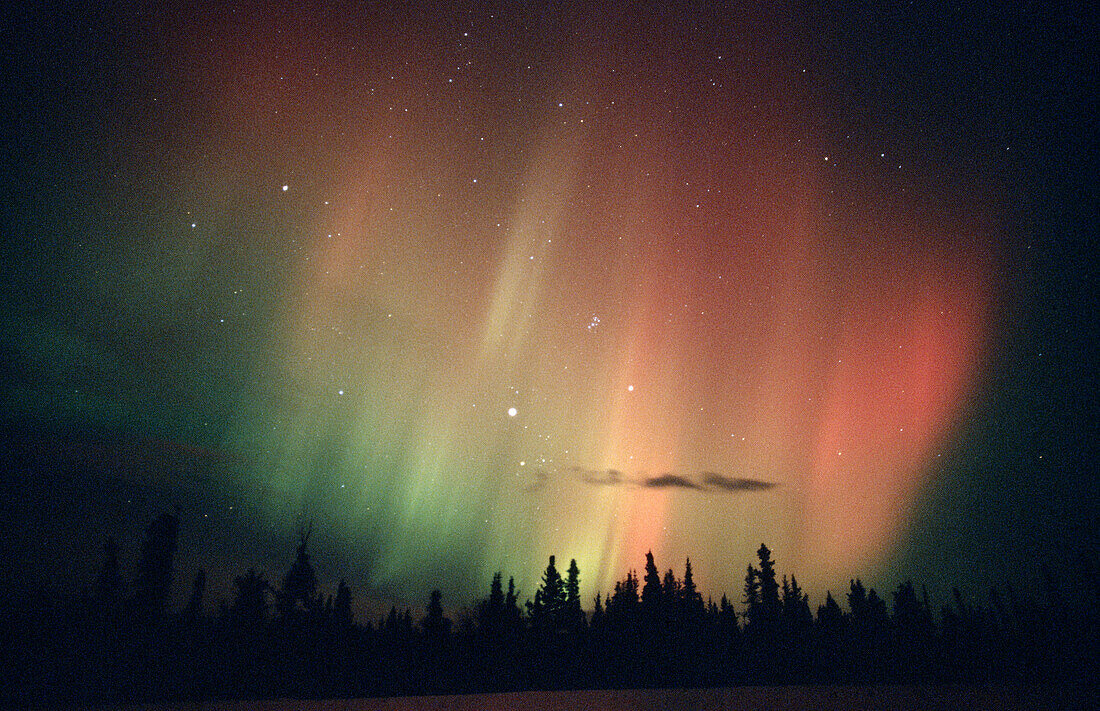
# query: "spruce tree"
830,618
622,606
751,598
691,600
513,616
796,605
436,626
727,616
490,611
597,613
300,582
574,615
546,611
670,586
857,599
496,592
909,613
876,609
651,590
769,588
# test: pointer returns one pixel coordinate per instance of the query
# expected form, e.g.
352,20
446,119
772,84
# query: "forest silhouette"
118,642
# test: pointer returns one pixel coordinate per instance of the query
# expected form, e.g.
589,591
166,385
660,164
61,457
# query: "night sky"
466,287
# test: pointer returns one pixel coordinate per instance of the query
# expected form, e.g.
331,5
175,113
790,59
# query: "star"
512,412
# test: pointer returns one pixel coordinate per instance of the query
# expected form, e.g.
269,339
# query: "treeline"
116,643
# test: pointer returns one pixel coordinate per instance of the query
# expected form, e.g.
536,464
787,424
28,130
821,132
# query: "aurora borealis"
469,287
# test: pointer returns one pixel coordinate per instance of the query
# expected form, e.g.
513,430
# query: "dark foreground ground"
755,698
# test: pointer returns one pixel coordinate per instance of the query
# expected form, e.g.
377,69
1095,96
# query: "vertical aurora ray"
904,360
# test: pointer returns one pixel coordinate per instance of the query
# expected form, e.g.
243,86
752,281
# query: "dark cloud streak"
670,481
705,481
735,483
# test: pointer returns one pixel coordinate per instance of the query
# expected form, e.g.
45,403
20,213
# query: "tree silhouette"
769,590
857,599
598,616
547,609
298,592
796,606
690,600
830,618
914,632
513,616
651,591
876,609
728,628
490,611
623,605
250,606
751,599
670,587
436,626
573,614
666,638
